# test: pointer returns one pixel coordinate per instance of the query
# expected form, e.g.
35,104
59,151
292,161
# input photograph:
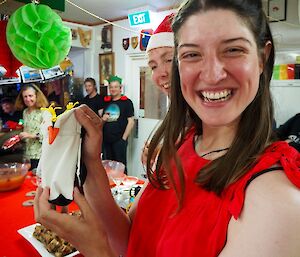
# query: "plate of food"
51,241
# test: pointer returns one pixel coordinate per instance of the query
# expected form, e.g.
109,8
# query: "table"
15,216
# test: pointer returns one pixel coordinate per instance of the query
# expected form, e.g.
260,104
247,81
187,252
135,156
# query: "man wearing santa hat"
160,52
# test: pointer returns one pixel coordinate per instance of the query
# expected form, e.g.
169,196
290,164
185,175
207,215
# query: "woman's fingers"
82,203
144,156
43,212
39,191
93,137
87,117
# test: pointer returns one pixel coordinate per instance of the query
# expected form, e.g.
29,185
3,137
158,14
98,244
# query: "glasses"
115,171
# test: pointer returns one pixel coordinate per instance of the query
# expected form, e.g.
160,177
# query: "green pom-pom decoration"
37,37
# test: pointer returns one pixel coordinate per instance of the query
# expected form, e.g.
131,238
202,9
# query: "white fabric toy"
61,152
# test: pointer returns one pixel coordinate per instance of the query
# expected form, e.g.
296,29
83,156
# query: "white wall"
83,57
286,95
287,33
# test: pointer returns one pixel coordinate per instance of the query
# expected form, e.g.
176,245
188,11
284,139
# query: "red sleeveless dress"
200,228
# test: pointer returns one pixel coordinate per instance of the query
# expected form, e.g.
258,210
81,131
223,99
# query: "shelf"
285,83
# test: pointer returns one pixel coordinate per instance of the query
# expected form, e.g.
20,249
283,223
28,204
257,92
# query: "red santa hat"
163,35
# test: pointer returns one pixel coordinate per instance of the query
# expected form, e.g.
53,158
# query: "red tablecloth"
13,217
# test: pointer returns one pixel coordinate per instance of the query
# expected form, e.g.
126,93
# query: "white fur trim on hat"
163,39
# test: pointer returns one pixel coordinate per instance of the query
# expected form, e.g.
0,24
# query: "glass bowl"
115,171
12,175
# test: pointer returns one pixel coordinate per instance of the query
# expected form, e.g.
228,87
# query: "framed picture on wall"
106,66
277,10
106,38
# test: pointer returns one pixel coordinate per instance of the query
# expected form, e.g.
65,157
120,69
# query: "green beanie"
114,78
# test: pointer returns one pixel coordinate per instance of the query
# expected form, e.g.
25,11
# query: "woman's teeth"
166,85
216,96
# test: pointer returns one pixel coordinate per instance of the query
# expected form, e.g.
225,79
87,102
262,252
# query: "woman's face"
219,66
29,97
160,62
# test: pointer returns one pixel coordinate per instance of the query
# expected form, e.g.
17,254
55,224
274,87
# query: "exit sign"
139,18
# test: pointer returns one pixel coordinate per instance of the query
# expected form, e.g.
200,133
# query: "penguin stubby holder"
60,164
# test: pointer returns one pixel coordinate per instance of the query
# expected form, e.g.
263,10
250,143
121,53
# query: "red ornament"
123,98
7,59
107,98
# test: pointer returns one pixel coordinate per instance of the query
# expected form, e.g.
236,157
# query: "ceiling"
108,9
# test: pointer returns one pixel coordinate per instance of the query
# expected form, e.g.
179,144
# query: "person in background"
32,99
160,51
222,185
93,99
290,131
9,110
118,114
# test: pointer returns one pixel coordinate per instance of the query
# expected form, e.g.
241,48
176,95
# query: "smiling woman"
32,99
223,65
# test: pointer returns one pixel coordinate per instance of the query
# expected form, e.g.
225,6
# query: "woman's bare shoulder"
269,224
273,189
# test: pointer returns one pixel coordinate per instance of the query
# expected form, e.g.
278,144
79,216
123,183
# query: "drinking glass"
130,181
115,171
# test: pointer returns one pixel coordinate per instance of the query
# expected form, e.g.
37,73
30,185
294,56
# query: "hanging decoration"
37,36
134,42
125,43
144,38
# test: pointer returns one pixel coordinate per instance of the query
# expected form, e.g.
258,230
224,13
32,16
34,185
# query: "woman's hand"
145,153
93,124
86,232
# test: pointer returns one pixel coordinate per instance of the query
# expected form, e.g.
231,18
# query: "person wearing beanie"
160,52
118,115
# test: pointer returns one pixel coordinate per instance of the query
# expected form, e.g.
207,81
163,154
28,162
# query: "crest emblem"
134,42
145,36
125,43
